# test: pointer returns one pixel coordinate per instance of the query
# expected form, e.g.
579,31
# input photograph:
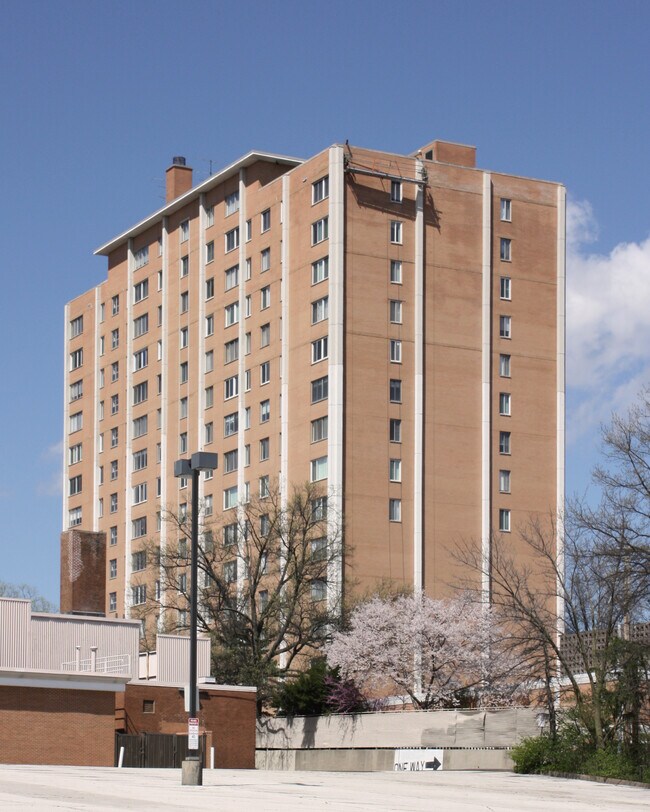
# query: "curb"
600,779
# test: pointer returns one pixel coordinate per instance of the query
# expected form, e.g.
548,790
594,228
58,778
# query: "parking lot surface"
88,788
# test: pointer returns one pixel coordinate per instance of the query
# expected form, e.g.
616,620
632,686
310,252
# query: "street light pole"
192,771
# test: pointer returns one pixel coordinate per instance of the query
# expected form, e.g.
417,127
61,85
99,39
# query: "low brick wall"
57,726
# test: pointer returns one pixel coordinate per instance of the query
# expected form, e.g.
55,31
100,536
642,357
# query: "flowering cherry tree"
431,650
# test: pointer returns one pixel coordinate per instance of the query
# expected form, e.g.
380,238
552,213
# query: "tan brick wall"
57,726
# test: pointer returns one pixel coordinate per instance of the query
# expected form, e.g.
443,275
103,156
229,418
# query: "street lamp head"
182,468
203,461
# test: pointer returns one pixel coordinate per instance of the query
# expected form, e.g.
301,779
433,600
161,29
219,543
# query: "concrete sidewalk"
86,788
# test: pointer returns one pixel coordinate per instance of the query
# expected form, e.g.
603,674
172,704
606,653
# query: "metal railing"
113,664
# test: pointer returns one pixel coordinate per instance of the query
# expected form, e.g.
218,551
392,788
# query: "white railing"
114,664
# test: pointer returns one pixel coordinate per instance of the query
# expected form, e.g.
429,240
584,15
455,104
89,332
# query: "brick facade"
83,561
57,726
227,717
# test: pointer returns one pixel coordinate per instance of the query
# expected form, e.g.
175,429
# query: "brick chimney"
179,178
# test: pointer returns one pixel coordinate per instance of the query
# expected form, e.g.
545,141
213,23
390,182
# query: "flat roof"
248,159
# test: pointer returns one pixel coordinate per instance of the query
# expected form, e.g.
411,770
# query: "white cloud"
608,323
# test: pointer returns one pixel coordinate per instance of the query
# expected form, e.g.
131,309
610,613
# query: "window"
229,535
140,459
209,251
249,229
112,568
395,351
230,424
140,359
74,485
184,230
139,594
319,350
209,433
318,469
320,189
395,470
231,351
395,391
395,311
209,216
505,327
504,442
319,429
140,392
248,305
184,372
265,335
231,312
319,310
209,396
505,253
231,387
182,442
184,337
101,378
76,327
76,390
230,461
232,203
265,372
160,315
319,230
140,291
208,505
395,191
506,209
505,287
114,437
101,345
112,601
76,421
115,304
232,277
504,403
102,312
319,389
114,469
209,361
320,270
319,509
396,271
141,257
140,493
395,430
265,411
138,561
396,232
264,486
265,260
265,220
395,510
319,549
265,297
185,302
160,280
232,239
74,517
265,524
247,343
504,520
74,454
113,503
249,269
504,366
247,417
319,589
182,618
209,288
140,426
504,481
247,455
115,404
140,325
113,536
230,497
230,572
76,359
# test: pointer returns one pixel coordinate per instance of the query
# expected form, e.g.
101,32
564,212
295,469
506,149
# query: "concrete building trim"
208,184
486,387
164,410
284,361
336,359
71,680
200,338
561,390
128,448
65,521
95,413
418,398
241,366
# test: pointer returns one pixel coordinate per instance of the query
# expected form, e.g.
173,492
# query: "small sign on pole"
192,734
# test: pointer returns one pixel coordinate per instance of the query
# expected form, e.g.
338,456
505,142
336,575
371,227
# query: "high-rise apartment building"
390,325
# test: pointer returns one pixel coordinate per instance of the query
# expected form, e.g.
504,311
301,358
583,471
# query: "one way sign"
415,759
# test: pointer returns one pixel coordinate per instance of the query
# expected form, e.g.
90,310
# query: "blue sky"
97,97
